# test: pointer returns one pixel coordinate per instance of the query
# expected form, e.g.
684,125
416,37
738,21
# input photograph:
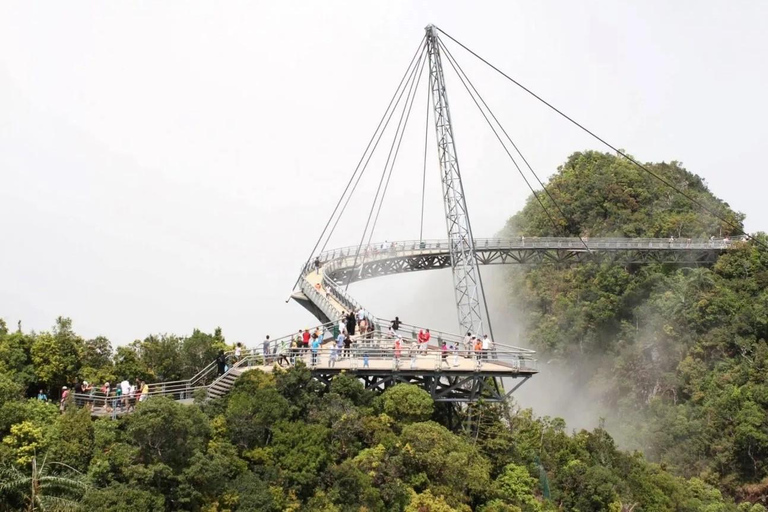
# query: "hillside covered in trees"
677,355
285,442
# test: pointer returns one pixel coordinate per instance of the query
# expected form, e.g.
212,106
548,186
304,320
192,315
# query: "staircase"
223,384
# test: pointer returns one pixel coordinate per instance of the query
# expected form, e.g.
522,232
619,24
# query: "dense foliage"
283,441
677,355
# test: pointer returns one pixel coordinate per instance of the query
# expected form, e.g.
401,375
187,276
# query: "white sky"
168,165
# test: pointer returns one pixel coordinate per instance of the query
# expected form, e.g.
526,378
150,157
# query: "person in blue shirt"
315,347
42,396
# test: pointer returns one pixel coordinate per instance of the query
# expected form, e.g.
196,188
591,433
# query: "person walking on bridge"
444,355
487,346
265,349
315,348
351,323
340,339
413,351
317,264
395,326
221,362
467,343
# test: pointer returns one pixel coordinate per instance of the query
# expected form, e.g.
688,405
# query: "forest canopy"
678,354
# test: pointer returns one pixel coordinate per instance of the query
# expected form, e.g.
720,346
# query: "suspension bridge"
386,356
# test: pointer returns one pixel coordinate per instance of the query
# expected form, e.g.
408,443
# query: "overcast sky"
168,165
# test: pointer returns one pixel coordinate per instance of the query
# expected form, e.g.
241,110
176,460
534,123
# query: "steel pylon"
466,277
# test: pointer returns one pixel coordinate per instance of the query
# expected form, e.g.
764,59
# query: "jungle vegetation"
681,360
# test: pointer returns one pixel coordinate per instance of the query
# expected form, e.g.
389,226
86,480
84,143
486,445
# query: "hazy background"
168,165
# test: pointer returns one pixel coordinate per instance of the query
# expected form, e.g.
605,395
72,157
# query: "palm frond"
63,481
58,504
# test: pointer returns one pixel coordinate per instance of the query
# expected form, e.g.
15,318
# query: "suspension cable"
607,144
519,170
381,182
409,102
419,49
424,175
365,166
457,67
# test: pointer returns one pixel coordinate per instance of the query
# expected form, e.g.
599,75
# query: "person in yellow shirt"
144,391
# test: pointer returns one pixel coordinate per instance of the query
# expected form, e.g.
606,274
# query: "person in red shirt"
305,338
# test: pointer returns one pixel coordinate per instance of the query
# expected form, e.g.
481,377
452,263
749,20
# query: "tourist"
334,355
362,324
238,351
340,341
395,325
487,346
265,349
413,351
87,391
295,348
64,396
317,265
347,346
423,340
136,394
144,392
351,323
281,347
305,338
366,361
42,396
467,343
397,349
478,348
285,351
455,350
221,362
315,348
78,389
105,389
125,388
444,355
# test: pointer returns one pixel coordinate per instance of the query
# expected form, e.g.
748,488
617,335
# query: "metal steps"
223,384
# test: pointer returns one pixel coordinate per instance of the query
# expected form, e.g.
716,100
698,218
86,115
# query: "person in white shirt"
125,388
467,344
487,345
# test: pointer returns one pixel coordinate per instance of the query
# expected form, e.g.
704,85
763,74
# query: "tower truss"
466,277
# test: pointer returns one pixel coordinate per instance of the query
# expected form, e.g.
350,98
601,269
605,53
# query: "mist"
427,299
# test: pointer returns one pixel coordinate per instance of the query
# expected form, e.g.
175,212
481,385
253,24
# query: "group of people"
123,397
355,338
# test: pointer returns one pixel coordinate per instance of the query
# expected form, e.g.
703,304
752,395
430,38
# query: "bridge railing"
387,357
378,250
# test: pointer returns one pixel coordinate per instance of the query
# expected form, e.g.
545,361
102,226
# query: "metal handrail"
522,242
358,353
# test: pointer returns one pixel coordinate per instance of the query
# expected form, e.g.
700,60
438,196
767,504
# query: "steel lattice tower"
466,277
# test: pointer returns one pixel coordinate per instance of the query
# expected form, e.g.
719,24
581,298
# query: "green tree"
407,403
516,486
122,498
57,355
167,432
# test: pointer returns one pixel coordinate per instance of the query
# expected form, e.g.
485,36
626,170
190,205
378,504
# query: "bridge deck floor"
427,363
